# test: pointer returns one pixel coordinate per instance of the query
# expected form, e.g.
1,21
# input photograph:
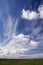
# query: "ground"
21,62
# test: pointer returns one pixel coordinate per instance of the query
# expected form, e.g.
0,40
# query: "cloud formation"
17,46
36,19
9,26
33,15
29,15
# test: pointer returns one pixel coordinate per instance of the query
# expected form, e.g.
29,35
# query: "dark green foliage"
21,62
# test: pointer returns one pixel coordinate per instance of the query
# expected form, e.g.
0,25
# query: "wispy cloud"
36,31
40,10
10,27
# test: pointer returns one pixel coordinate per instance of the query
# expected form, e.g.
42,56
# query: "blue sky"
21,29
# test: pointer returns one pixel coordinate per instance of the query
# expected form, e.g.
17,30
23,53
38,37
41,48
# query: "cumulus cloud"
33,15
29,15
16,46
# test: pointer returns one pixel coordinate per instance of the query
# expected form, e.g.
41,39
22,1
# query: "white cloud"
33,15
29,15
17,46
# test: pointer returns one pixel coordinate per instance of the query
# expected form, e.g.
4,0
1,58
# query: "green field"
21,62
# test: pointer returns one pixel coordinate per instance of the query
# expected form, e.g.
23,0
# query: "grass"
21,62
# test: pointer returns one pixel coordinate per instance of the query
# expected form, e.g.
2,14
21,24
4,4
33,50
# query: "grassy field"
21,62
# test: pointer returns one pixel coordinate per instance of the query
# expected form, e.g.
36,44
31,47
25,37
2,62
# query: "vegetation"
21,62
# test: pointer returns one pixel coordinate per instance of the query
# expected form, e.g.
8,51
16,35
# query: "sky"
21,29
